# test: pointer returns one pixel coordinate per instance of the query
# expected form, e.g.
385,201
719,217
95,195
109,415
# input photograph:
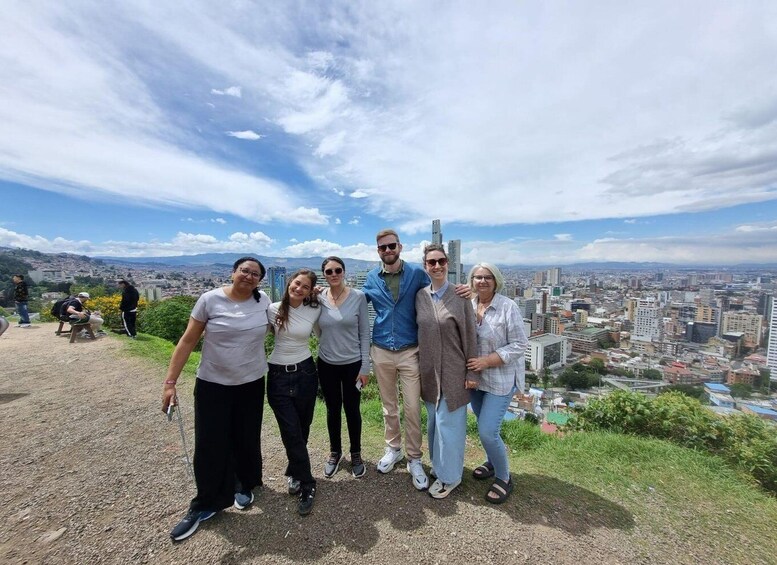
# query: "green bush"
746,442
167,319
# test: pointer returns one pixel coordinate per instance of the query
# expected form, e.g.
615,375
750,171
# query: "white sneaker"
441,490
420,480
389,459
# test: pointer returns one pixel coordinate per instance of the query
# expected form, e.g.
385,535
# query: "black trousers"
227,441
291,393
338,385
129,319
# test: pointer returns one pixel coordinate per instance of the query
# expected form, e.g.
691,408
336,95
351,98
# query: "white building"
771,351
547,350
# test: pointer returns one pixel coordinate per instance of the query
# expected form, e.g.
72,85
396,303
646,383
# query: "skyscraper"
436,232
277,283
771,351
554,276
455,270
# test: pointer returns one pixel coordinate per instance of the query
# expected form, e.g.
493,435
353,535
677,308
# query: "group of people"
448,345
75,309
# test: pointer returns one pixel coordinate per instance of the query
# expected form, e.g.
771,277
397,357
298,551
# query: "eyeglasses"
481,278
385,246
336,271
250,273
441,261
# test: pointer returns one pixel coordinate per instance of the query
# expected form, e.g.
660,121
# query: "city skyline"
538,134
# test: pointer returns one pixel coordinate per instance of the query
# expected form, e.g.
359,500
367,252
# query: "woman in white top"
501,346
292,380
228,393
343,363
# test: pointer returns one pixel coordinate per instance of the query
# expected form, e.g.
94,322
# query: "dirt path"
91,472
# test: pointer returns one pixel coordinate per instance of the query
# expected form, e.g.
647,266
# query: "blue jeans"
447,433
490,410
21,308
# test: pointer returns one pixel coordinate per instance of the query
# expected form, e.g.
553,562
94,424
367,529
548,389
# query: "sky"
538,132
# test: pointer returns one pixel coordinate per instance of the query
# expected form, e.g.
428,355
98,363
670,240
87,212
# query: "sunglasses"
386,246
250,273
480,278
432,262
337,271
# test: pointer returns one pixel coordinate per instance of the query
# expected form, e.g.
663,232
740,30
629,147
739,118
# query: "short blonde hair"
499,280
384,233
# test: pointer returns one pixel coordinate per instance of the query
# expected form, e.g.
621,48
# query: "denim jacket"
395,324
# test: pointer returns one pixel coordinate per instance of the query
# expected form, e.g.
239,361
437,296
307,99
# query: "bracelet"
170,382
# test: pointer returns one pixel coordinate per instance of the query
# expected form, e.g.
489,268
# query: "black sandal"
485,471
501,489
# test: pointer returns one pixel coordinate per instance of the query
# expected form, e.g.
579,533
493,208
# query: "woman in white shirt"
228,393
501,345
293,381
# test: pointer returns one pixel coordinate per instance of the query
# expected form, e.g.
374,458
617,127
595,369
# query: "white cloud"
338,221
358,194
235,91
338,192
630,221
247,134
219,220
563,236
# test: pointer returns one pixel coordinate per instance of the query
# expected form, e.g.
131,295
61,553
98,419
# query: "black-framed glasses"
442,261
335,271
386,246
480,278
250,273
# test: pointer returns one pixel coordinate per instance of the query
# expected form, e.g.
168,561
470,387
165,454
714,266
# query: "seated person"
80,315
3,325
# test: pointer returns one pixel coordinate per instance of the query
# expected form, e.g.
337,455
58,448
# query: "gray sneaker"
358,468
333,464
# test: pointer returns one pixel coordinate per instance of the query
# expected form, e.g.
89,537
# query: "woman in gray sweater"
343,363
447,339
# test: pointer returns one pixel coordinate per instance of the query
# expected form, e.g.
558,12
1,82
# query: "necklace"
336,298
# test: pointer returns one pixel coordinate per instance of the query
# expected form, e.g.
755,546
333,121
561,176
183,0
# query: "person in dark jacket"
21,296
129,307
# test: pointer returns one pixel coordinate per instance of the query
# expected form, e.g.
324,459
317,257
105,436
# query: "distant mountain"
205,259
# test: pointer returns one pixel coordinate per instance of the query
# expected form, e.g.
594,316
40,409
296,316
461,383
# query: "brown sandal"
485,471
501,489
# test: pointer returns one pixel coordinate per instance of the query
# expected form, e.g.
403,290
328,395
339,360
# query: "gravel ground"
92,472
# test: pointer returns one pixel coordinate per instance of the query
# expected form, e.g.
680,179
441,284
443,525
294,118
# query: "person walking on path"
129,307
228,393
21,297
343,363
292,380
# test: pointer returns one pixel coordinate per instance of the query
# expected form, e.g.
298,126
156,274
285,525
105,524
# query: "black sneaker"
358,468
306,497
189,524
333,464
294,485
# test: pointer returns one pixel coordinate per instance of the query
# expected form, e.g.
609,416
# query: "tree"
741,390
598,366
652,375
578,376
688,390
167,319
545,377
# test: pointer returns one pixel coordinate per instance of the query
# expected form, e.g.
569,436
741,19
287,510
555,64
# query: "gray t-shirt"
345,331
233,347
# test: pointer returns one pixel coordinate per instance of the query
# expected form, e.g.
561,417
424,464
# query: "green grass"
665,499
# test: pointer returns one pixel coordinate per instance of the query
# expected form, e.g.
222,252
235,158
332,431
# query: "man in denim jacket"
392,288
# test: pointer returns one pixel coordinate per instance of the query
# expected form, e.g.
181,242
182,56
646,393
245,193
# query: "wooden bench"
74,330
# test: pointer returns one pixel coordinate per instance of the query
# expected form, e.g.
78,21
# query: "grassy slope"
671,503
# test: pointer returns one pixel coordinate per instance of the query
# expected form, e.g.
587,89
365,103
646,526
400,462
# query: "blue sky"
538,132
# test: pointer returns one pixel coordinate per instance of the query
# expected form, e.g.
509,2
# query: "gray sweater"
345,331
447,337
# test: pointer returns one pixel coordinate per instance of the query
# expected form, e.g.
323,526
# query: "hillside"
92,472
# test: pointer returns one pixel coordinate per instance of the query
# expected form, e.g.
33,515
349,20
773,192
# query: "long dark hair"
262,272
312,300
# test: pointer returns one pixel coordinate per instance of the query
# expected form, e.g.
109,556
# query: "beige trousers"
391,368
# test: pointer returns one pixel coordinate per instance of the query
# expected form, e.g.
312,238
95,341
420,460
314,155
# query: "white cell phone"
359,384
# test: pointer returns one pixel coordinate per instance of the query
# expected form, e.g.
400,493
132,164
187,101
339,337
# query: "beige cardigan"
447,337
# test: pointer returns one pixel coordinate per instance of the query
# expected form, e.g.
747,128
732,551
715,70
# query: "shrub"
744,441
167,319
109,308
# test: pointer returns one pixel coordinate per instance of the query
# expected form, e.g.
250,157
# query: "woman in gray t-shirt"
228,393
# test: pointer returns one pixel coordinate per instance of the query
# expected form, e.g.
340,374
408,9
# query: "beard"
390,260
